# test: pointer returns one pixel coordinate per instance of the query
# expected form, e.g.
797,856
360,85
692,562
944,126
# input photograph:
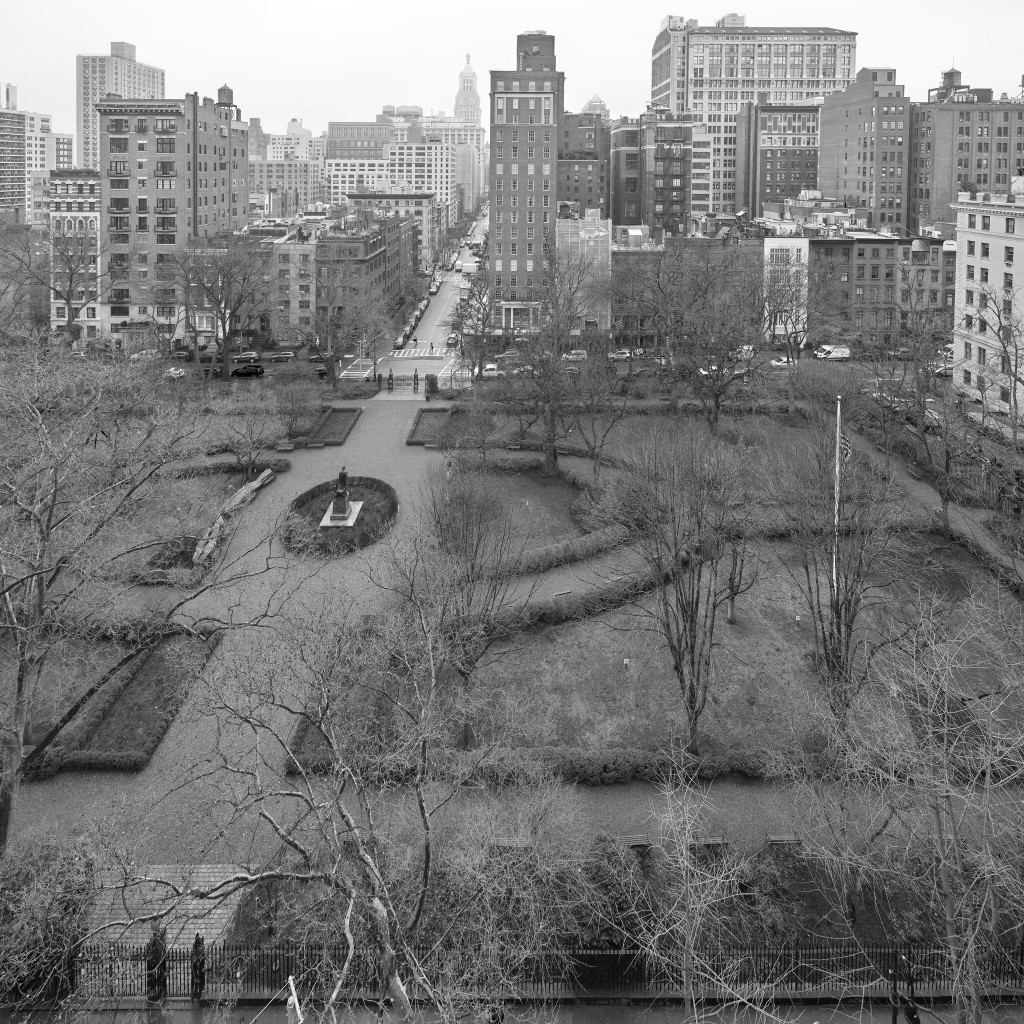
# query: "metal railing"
222,971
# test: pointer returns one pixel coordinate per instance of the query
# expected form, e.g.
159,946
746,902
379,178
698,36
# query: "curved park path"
175,811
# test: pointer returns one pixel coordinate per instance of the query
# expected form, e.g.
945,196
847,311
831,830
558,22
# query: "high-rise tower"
100,75
467,100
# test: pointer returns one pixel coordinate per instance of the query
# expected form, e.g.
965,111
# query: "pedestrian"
431,348
198,967
156,964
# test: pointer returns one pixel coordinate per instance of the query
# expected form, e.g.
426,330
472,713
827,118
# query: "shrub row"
573,550
614,766
275,465
356,389
71,751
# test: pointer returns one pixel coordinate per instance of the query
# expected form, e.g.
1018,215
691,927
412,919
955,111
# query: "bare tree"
473,320
226,277
1000,322
87,496
918,800
848,555
250,425
683,500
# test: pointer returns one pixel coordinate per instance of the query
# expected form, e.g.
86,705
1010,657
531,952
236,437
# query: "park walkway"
176,810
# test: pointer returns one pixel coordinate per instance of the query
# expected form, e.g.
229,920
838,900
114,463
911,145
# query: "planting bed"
303,535
429,427
335,425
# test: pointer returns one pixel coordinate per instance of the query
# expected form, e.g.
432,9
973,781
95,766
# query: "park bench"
641,841
782,839
712,842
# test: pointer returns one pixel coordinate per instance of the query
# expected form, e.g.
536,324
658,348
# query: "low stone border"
274,465
443,414
341,437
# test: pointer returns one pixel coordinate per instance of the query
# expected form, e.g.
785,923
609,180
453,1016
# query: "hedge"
573,550
614,766
71,751
274,465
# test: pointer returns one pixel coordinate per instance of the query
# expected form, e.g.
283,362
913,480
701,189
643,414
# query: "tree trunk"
550,452
730,606
10,763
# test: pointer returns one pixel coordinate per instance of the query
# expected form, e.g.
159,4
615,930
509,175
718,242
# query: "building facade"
75,221
421,208
584,166
175,170
988,318
99,75
863,149
297,183
675,172
624,135
961,139
358,140
776,153
525,113
881,285
712,70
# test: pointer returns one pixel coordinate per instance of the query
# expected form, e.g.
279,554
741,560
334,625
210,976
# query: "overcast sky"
323,61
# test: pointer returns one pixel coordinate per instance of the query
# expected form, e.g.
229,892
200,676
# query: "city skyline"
322,76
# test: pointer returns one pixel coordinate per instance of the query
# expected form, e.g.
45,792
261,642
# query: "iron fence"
109,971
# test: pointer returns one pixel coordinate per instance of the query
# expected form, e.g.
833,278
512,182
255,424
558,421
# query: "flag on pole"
845,448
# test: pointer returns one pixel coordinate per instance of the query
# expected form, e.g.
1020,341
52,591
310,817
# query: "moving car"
286,356
837,352
246,357
249,370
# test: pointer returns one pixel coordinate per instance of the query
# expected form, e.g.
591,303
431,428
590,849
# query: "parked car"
399,341
185,355
315,357
783,363
209,355
577,355
145,354
175,371
249,370
285,356
321,371
434,288
453,340
840,353
621,355
246,357
490,371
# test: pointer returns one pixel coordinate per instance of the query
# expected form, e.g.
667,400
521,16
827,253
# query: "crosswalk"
420,352
359,370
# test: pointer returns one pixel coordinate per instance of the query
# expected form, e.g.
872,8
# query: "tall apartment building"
526,108
80,275
467,99
776,153
674,174
988,319
420,207
961,139
712,70
175,170
29,150
100,75
862,154
584,165
624,137
296,182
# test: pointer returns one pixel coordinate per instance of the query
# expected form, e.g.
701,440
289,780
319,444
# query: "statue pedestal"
330,519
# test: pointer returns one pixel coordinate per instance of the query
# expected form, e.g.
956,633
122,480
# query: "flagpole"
835,539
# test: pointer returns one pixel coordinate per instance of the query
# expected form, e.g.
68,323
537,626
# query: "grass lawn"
573,688
541,506
337,426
